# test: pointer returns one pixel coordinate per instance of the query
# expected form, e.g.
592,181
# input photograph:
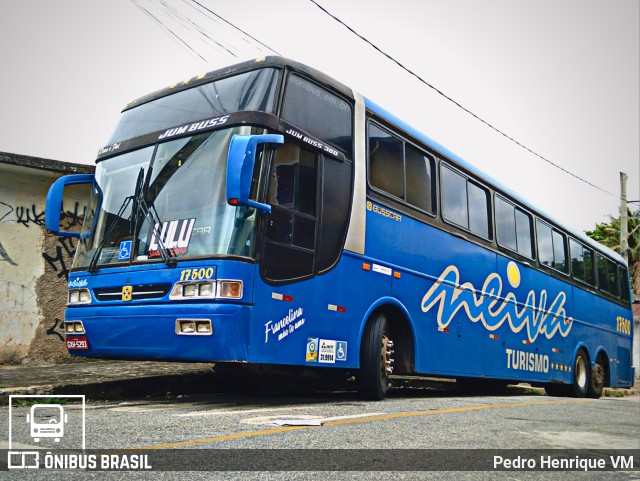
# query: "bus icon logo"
47,421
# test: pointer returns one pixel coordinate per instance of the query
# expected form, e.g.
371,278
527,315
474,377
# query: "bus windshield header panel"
249,91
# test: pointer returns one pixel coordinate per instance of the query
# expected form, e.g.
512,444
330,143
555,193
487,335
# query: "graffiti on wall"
5,211
27,216
65,250
5,257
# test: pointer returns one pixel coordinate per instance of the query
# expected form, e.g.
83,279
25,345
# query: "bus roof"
386,115
280,62
261,62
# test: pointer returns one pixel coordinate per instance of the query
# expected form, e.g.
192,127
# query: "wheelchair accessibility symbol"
125,250
341,350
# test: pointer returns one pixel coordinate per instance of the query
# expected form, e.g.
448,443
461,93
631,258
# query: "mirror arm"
242,158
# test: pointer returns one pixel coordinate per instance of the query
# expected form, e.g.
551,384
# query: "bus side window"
464,203
552,251
608,276
581,262
386,162
624,284
513,227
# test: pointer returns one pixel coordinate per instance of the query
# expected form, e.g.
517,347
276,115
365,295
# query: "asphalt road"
410,419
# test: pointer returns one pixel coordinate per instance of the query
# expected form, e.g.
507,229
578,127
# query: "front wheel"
376,359
581,375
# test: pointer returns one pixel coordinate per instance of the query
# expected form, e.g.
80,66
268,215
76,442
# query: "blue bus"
269,216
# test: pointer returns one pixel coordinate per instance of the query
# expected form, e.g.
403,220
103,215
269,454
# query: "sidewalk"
106,379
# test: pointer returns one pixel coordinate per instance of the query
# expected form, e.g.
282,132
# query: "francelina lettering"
288,324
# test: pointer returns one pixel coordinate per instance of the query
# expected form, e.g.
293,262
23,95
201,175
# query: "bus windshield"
185,215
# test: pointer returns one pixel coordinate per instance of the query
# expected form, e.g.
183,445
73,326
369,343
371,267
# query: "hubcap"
581,372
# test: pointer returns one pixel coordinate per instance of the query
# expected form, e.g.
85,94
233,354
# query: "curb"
153,386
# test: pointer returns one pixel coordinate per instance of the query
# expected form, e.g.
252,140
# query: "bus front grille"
138,292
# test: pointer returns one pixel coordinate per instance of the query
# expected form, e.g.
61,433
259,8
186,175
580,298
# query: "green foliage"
608,234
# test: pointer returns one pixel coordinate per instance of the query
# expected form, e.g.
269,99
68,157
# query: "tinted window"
506,224
478,211
291,226
418,178
614,287
552,251
545,244
581,262
524,233
334,216
400,169
577,260
464,203
454,197
603,275
559,251
608,280
294,179
386,164
318,112
248,91
624,283
589,267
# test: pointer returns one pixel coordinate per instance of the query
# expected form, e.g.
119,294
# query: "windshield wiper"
151,214
139,205
112,225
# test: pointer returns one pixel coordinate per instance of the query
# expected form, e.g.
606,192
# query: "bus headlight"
206,289
190,290
79,296
193,290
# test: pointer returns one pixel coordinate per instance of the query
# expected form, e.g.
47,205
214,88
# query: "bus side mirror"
53,206
240,163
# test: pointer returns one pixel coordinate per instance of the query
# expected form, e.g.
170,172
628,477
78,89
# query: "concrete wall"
33,265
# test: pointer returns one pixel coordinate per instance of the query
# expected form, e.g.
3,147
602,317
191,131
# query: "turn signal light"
230,289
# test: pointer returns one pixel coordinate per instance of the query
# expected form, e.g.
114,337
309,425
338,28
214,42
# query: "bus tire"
581,375
597,378
375,359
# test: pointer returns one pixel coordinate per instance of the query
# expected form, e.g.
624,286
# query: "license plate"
77,343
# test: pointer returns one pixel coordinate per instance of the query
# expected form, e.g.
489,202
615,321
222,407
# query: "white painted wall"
23,193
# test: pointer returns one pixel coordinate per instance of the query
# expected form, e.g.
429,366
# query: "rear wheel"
597,378
376,359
